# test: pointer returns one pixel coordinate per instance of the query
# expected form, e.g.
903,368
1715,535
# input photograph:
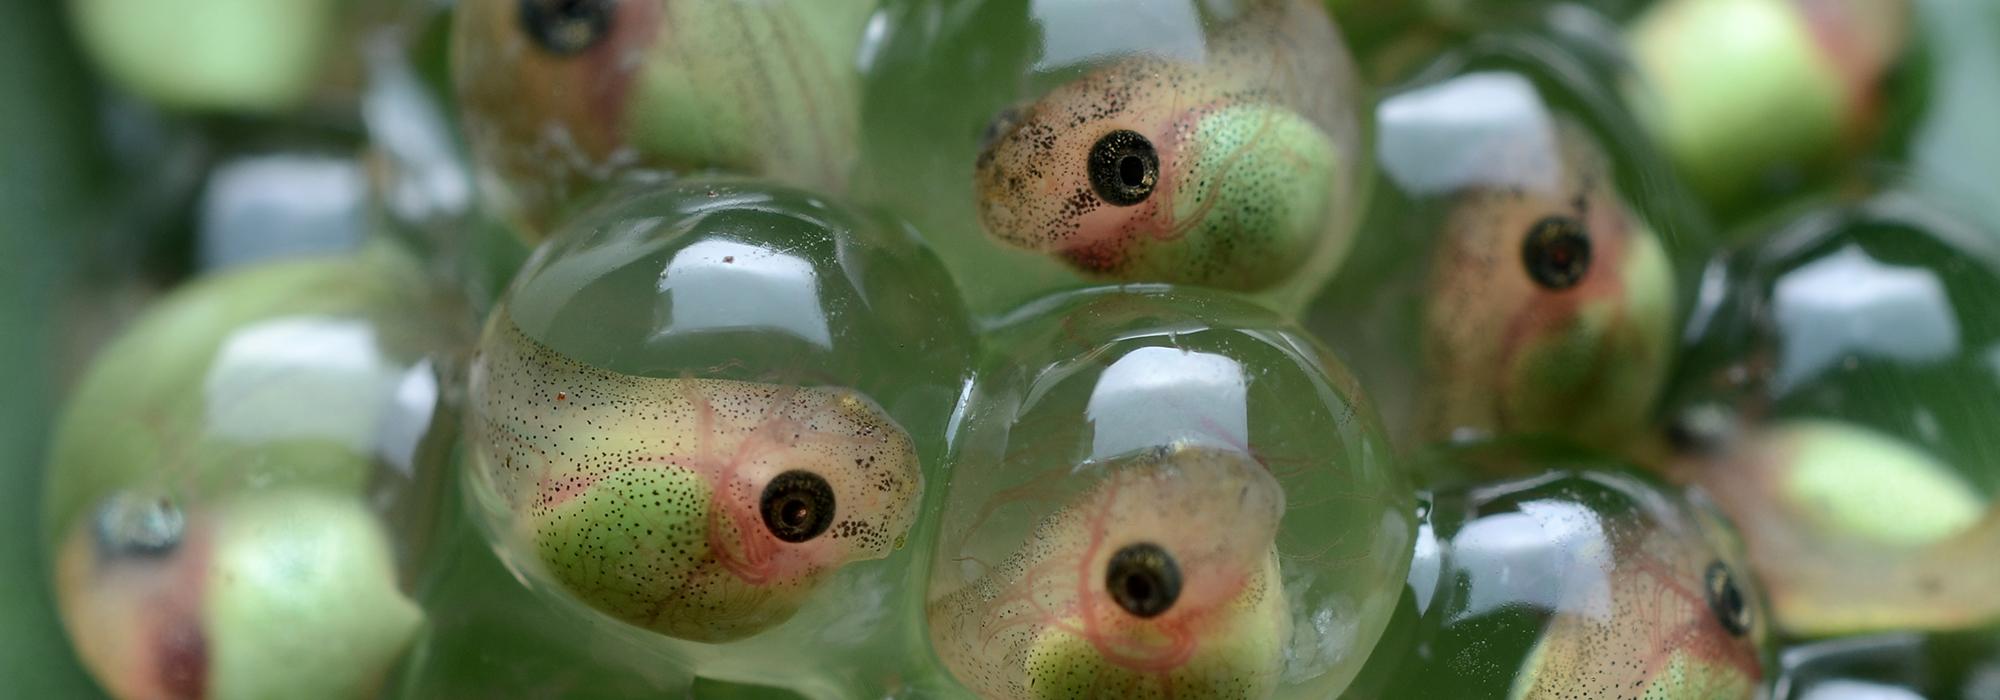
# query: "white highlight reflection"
1480,129
1155,394
720,285
1551,554
1848,304
301,378
1082,31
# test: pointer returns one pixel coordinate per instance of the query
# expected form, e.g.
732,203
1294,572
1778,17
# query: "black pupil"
1123,168
1138,587
797,506
1132,171
1556,252
1726,600
1143,579
565,27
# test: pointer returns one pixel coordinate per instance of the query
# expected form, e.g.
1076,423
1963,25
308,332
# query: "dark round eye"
1726,600
1556,252
797,506
1123,168
567,27
1143,579
133,526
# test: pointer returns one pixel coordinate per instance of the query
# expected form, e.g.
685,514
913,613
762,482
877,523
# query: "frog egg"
224,482
1162,492
224,55
1523,271
1870,312
1745,94
562,96
1581,579
279,592
712,411
1844,370
1197,143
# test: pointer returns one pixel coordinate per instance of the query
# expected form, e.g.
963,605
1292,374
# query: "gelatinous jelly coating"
276,593
560,94
1094,378
223,480
1160,582
1209,172
1853,531
706,510
1551,305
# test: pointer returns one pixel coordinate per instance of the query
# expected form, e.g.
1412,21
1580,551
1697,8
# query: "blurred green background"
47,143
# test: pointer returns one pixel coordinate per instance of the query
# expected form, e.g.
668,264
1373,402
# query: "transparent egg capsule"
1582,580
238,488
1163,492
1837,399
562,96
1519,269
711,412
1210,144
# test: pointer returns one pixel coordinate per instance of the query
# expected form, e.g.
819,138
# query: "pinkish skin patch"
636,26
1843,35
1106,235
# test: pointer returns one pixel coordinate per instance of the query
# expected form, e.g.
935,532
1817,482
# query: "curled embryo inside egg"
1160,581
703,509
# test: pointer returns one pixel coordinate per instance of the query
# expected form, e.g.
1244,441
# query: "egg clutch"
1064,349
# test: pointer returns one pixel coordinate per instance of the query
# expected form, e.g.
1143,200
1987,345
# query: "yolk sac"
1161,581
702,509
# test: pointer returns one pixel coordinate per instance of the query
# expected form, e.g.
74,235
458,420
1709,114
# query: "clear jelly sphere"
713,412
247,473
1161,492
1579,579
1837,398
1521,268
